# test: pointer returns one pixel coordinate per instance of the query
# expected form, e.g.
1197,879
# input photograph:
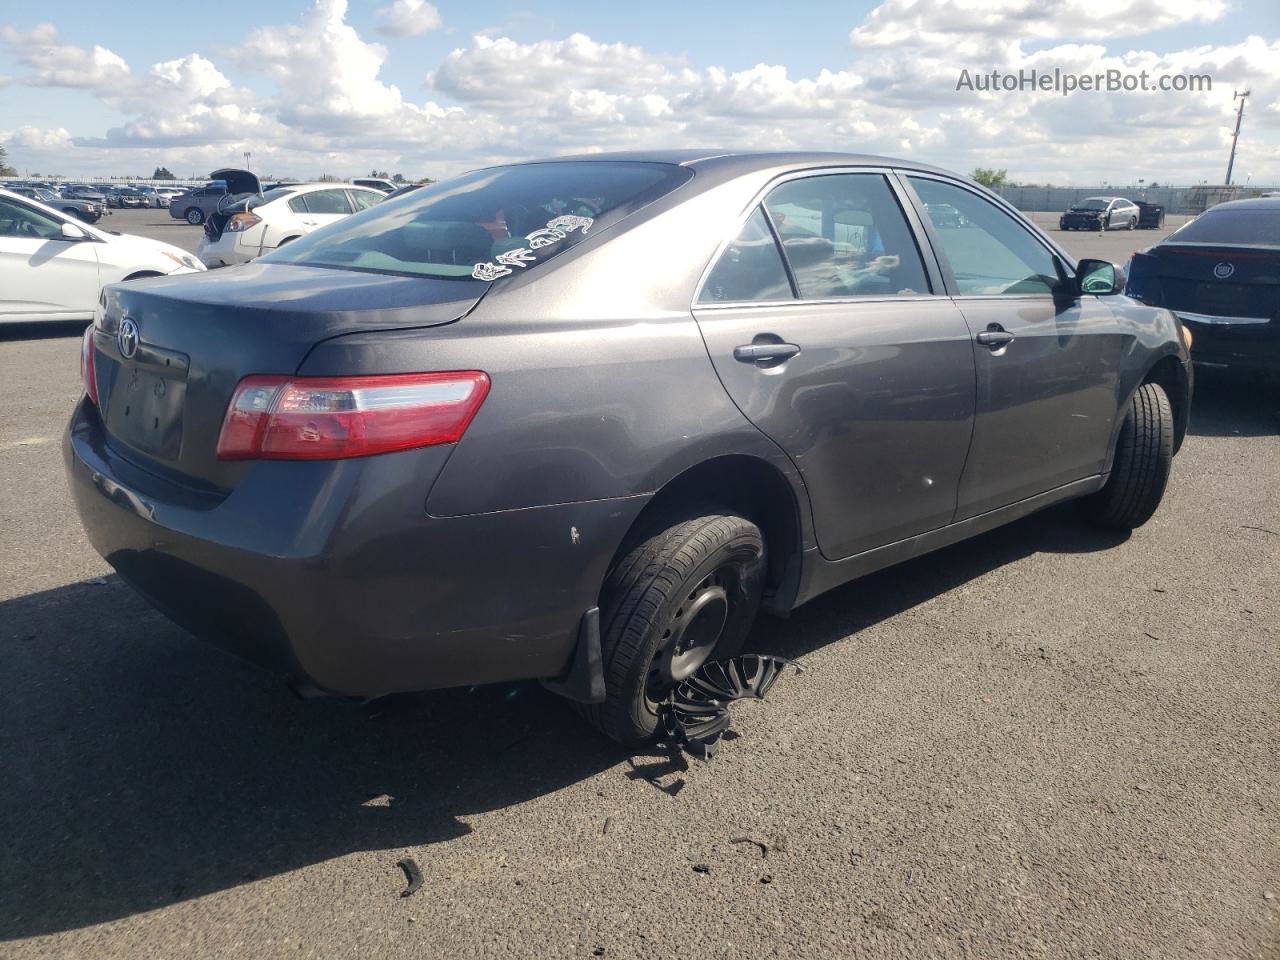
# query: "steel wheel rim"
691,634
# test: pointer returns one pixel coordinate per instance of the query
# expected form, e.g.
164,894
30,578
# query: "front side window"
19,220
991,253
749,269
490,223
844,235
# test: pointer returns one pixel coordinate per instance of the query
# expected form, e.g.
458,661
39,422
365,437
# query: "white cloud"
945,22
408,18
327,106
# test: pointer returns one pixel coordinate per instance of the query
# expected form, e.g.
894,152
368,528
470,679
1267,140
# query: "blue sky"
684,73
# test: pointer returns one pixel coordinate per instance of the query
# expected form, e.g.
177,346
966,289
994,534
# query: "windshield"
489,223
1093,203
1232,226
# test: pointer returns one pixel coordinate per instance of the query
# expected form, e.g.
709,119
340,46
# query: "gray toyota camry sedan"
579,420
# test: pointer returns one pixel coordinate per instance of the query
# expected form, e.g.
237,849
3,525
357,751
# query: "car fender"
1157,334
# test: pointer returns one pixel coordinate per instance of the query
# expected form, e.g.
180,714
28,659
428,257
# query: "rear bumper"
225,251
1238,343
333,576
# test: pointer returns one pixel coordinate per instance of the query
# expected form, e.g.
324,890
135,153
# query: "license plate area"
145,412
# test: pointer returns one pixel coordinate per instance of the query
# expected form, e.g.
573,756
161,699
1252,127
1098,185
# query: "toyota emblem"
127,338
1224,270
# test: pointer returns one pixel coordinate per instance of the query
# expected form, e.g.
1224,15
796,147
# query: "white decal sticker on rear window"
556,229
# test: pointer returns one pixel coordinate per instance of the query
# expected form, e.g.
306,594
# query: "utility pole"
1236,136
247,154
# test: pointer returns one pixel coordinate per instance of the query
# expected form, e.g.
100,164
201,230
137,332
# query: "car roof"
1250,203
746,161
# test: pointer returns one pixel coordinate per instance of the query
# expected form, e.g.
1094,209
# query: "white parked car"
53,267
248,224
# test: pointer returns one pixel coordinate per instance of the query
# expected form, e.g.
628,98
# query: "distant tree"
162,173
399,178
380,174
5,169
1153,184
991,178
327,178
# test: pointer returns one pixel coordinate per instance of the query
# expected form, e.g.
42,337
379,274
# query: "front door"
43,275
1048,364
841,352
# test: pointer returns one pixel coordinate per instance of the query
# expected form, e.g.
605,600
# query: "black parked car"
1220,273
1100,213
1150,215
81,209
578,420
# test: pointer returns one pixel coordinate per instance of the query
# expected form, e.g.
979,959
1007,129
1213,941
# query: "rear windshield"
489,223
1232,226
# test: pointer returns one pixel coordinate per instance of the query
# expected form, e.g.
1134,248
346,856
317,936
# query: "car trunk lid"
1210,280
171,350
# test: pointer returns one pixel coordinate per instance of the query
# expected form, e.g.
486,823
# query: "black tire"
1140,470
194,216
1133,223
696,582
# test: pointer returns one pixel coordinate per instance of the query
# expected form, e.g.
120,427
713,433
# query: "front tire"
194,216
1133,223
684,595
1140,471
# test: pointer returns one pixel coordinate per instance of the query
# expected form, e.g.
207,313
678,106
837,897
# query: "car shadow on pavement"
142,767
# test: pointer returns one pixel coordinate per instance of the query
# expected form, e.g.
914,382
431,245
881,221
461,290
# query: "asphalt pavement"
1044,742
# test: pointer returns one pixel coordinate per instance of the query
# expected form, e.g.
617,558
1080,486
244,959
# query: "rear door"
830,332
1048,364
325,207
43,276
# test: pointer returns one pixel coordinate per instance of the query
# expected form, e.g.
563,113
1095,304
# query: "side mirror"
1099,277
71,232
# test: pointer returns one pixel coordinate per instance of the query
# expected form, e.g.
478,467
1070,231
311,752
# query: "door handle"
765,352
995,337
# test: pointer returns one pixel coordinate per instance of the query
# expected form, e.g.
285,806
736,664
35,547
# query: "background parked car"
80,209
377,183
82,191
196,204
1220,273
53,268
248,226
131,198
1100,213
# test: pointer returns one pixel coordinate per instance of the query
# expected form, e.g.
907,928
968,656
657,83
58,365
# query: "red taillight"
88,372
331,418
242,221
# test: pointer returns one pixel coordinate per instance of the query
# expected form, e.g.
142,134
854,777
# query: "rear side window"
749,269
1232,226
364,200
490,223
844,235
298,204
327,201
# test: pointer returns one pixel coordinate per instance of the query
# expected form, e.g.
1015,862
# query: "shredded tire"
641,593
